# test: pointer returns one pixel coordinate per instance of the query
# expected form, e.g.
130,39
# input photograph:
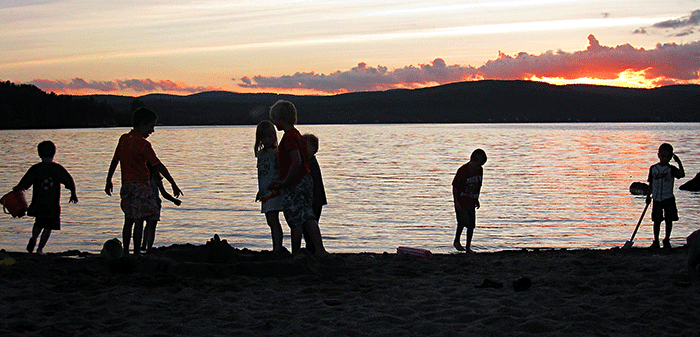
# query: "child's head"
265,136
665,152
143,116
46,149
478,157
284,111
311,143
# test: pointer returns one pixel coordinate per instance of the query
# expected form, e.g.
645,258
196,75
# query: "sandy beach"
212,289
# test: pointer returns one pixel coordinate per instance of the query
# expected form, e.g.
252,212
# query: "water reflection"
546,185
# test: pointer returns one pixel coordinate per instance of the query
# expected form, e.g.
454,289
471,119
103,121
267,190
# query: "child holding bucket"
268,171
47,178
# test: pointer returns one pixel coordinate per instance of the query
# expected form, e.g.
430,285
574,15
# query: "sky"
304,47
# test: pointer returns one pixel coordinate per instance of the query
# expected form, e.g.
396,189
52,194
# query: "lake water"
545,185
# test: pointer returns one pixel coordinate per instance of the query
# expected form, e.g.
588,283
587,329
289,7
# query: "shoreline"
214,289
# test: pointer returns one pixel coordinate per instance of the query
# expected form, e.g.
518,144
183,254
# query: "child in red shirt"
133,153
296,182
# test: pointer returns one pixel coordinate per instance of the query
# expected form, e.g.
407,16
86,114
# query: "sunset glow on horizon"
331,47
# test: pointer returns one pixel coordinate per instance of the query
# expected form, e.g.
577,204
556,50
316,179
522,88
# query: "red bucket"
14,203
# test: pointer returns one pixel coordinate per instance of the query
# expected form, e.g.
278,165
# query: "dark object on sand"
489,284
692,185
522,283
639,188
112,249
629,243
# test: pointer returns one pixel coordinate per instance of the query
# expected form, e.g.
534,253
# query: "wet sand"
215,290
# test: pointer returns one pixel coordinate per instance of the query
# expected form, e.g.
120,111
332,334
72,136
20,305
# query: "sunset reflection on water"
545,185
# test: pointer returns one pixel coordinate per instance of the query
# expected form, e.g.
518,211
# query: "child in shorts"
295,182
268,171
466,187
156,182
661,179
319,192
46,177
133,153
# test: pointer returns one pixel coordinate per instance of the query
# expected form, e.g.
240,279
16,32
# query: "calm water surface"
545,185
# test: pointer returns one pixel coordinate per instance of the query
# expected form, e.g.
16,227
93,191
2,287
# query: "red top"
133,152
467,181
292,140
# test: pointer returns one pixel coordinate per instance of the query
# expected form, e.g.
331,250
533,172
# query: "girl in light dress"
268,171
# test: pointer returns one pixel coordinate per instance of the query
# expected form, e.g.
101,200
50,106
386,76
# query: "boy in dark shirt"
46,177
466,187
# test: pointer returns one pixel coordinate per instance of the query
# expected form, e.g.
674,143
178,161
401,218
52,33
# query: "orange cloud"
665,64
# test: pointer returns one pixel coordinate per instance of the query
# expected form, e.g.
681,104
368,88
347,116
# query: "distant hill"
465,102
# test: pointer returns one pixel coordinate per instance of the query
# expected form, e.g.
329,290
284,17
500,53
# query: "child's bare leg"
138,234
296,238
126,234
458,236
315,234
667,234
43,240
149,234
470,234
36,230
657,230
273,220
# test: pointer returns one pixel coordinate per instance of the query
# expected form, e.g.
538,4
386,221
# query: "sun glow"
628,78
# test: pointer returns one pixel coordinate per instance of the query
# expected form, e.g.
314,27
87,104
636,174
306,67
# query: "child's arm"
455,194
69,183
164,171
27,180
110,173
167,195
681,172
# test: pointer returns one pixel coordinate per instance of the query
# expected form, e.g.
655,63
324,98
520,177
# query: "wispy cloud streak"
79,85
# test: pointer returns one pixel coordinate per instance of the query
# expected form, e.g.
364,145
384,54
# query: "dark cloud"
689,21
667,62
136,85
366,78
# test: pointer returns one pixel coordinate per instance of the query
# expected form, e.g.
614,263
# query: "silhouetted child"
296,182
46,177
661,178
156,182
133,153
318,191
268,172
466,187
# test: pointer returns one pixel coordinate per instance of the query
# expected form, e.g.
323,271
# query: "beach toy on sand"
8,261
14,203
112,249
629,243
414,251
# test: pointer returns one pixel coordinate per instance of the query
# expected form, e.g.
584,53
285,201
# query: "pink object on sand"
414,251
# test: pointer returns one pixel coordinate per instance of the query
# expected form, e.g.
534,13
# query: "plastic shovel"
629,243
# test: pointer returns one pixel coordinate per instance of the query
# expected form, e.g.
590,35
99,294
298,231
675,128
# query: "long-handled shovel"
629,243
